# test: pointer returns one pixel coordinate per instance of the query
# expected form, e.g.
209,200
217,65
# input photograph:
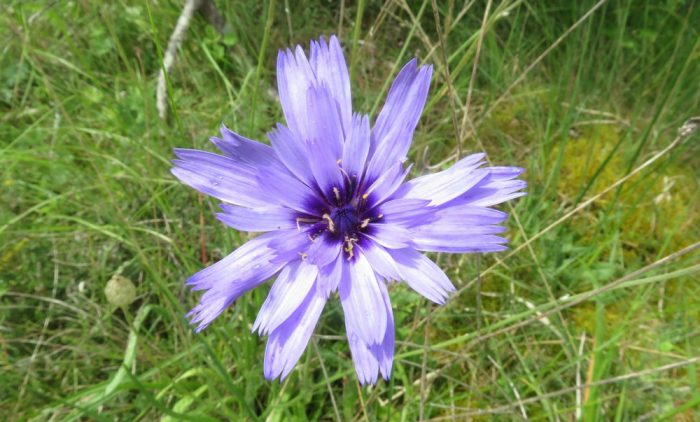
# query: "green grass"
87,194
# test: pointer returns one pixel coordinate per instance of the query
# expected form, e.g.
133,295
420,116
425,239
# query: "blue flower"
330,195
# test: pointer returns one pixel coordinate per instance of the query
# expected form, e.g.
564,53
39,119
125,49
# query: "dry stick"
176,39
685,131
507,407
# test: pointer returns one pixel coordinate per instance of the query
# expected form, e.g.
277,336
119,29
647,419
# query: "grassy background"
578,93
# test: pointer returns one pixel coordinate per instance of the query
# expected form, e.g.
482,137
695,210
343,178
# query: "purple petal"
497,188
459,243
356,147
390,235
279,183
330,275
329,66
384,186
365,361
220,177
407,212
294,77
292,151
449,184
372,358
257,219
288,292
362,301
244,150
393,131
382,262
244,269
467,215
460,228
422,275
289,245
287,343
323,250
325,139
387,347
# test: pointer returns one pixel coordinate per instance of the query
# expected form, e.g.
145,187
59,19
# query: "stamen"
336,191
350,242
303,255
331,224
304,220
347,176
365,223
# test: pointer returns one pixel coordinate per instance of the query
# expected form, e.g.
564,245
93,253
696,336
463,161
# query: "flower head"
330,195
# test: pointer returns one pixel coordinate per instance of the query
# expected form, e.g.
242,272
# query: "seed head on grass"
330,195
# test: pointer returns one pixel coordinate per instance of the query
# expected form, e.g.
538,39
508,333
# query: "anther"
365,223
303,255
331,224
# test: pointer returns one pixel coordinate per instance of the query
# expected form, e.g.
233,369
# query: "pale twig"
176,38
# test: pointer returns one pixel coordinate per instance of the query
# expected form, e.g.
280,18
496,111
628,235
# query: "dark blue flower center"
345,219
342,216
